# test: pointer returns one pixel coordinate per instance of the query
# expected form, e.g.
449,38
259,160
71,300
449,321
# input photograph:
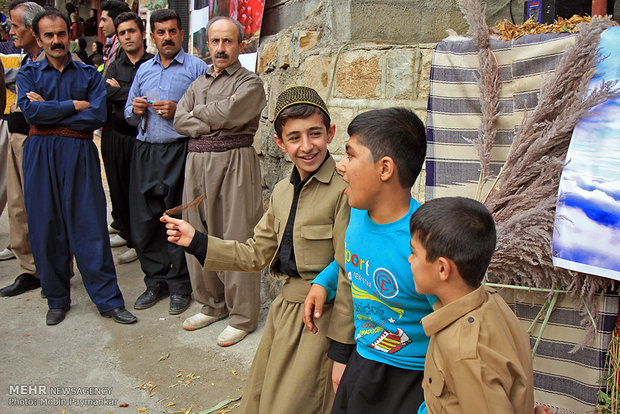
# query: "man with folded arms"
64,101
220,111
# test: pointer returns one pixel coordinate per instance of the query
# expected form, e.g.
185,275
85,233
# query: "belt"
219,143
59,131
295,289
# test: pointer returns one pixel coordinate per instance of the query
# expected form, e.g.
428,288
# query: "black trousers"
116,152
371,387
155,185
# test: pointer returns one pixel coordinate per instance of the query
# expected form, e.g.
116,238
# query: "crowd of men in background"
56,202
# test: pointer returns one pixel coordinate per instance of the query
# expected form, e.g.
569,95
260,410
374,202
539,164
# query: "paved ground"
91,364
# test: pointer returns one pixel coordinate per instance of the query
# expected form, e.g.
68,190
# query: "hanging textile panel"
454,114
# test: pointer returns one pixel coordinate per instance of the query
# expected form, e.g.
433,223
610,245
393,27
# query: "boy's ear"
280,143
444,268
330,133
387,168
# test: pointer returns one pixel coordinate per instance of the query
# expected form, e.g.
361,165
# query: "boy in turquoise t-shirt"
385,362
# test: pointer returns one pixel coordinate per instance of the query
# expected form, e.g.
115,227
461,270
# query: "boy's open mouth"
308,157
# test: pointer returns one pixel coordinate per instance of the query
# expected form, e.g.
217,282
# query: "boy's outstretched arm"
179,231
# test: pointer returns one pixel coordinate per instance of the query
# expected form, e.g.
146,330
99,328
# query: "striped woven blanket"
453,116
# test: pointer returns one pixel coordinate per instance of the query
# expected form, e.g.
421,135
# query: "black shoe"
23,283
179,304
120,315
150,297
56,315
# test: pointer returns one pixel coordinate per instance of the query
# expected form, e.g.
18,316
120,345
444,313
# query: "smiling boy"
301,233
479,357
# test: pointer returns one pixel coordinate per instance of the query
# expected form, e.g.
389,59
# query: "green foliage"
609,400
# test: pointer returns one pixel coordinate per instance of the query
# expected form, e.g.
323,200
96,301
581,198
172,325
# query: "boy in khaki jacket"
299,235
479,358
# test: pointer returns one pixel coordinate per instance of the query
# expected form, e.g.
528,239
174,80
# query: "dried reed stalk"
488,85
179,209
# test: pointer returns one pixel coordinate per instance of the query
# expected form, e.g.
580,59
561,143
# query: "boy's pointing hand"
179,231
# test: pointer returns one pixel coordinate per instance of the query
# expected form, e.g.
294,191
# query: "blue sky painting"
587,225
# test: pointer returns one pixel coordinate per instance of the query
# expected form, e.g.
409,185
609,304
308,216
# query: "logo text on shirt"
385,283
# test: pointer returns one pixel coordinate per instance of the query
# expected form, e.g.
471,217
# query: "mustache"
168,43
57,46
221,55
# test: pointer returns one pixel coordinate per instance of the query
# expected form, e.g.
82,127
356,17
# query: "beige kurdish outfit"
291,372
223,165
479,358
18,221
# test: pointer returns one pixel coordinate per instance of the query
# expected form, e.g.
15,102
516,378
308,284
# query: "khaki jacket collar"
444,316
326,171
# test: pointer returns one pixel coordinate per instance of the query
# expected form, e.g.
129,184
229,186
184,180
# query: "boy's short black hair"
397,133
114,8
127,17
163,15
299,111
457,228
51,14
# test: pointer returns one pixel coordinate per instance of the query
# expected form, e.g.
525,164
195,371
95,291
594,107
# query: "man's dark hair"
230,19
129,16
457,228
163,15
299,111
52,14
114,8
397,133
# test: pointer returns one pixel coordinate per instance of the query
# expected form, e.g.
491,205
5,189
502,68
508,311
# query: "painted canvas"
587,226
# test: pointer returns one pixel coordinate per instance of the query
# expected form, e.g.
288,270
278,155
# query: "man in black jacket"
118,135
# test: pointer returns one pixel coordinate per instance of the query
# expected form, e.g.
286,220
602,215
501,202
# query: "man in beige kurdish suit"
22,15
220,112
